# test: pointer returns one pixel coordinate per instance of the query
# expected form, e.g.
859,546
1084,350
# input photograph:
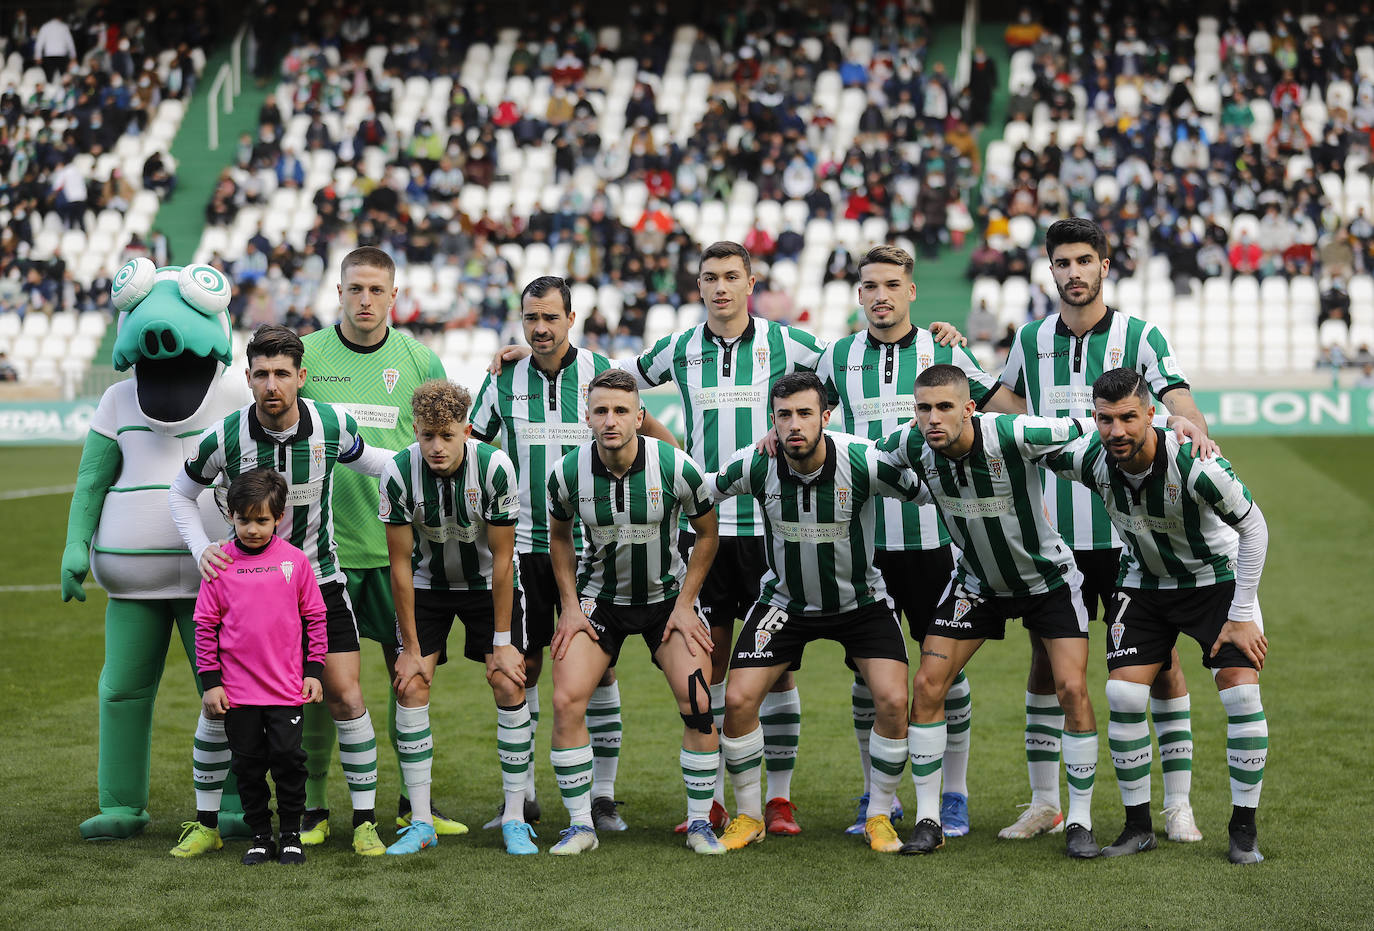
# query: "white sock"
958,719
699,775
415,748
1128,739
572,767
1174,730
926,743
861,701
605,726
1247,743
780,715
209,763
514,745
532,701
358,755
718,715
744,761
1080,771
888,760
1044,731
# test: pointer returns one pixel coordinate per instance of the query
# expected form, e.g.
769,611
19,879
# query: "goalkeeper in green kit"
372,369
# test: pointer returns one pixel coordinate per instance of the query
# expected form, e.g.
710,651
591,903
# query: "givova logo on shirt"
389,379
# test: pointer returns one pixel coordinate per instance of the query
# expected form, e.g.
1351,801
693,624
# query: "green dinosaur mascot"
174,332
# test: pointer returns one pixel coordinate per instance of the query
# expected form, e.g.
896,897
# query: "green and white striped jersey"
324,435
1054,371
873,386
1176,523
992,503
818,533
375,384
724,387
539,419
630,557
449,515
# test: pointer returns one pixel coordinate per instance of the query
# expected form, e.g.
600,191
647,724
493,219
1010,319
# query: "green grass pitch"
1314,819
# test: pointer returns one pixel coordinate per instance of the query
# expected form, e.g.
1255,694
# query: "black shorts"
915,580
341,628
1055,614
1144,625
436,610
541,598
732,584
771,636
616,623
1100,569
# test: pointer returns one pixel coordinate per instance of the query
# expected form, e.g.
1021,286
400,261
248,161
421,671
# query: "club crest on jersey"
389,379
995,466
286,567
317,455
841,496
1114,358
586,389
1118,630
924,360
761,356
655,497
1171,490
961,607
474,498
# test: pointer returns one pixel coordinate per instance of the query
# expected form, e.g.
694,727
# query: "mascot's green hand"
76,562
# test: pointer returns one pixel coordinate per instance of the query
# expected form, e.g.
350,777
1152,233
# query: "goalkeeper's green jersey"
375,384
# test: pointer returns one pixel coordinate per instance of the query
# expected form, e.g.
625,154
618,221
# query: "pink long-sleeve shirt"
260,626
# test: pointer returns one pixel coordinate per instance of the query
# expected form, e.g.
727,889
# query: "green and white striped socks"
1128,738
572,767
1174,729
1247,743
718,716
744,762
958,720
1044,731
209,763
699,775
888,760
532,702
780,715
358,756
415,751
604,725
514,745
926,745
861,700
1080,770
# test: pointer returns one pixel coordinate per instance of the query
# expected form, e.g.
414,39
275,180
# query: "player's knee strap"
700,718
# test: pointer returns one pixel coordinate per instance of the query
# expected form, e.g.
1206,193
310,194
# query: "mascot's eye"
133,283
205,288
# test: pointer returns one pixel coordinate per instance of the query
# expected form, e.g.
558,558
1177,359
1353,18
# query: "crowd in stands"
629,182
85,125
1214,147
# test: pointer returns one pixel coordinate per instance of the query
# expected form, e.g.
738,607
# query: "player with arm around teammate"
1195,548
817,504
871,379
536,407
450,504
980,470
303,440
1053,363
628,491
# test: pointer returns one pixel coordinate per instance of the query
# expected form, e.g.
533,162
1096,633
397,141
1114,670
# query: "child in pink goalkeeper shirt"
260,645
